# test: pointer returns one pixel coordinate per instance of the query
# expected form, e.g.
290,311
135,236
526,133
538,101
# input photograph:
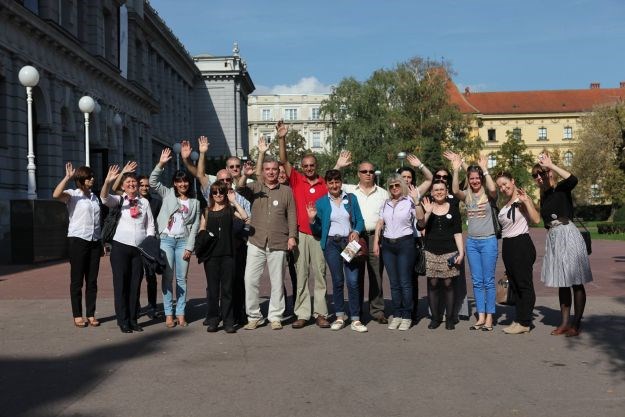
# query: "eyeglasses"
367,171
309,166
217,192
234,166
393,186
440,177
539,174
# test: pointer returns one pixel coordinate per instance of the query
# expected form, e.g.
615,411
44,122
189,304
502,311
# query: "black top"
219,223
440,230
558,202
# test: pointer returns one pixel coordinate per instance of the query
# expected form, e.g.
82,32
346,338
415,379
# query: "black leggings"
219,272
519,255
441,289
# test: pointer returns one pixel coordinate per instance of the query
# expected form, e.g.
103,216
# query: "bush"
619,215
594,212
611,228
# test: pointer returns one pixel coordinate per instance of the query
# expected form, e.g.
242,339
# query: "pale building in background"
300,111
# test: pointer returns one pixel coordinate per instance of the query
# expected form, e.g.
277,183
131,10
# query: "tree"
406,108
295,147
514,158
599,161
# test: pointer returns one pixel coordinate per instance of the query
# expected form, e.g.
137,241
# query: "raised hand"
112,174
69,170
131,166
185,149
450,155
413,160
282,129
345,160
544,159
165,157
456,160
427,205
311,210
483,163
413,192
203,144
262,145
232,197
522,195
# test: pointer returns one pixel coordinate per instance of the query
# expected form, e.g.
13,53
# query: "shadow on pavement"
32,386
6,270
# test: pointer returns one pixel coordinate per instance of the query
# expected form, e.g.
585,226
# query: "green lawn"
592,227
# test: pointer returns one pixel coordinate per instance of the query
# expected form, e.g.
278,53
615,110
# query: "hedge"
611,228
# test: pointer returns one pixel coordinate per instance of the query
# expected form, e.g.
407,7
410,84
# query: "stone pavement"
50,368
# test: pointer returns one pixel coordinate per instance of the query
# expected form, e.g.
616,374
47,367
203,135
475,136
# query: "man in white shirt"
370,199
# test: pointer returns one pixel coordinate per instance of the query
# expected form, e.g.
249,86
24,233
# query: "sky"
493,45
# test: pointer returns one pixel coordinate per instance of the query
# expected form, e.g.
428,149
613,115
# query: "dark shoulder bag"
495,215
109,227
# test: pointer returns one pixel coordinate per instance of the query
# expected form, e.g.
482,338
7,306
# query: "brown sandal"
80,323
560,331
93,322
181,321
170,322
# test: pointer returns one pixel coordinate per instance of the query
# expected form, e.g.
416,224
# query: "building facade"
300,111
122,54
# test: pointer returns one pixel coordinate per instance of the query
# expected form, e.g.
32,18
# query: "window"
568,158
492,135
314,114
268,137
542,133
266,115
516,133
516,160
32,5
108,34
316,139
290,114
492,161
568,133
594,191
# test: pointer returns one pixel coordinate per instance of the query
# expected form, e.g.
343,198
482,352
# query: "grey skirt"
566,262
436,266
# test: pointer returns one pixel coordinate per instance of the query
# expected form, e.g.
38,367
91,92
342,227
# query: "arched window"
492,160
568,158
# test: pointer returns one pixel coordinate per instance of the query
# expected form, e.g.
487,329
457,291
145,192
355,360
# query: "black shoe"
230,329
125,328
206,322
434,324
450,325
211,328
135,327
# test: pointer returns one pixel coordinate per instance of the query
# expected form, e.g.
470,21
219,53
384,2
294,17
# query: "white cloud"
306,85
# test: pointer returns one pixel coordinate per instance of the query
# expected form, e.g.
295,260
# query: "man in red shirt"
308,186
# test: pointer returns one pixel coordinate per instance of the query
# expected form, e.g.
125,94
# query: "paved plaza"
50,368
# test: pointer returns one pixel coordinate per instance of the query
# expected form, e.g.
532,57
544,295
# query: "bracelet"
421,166
486,173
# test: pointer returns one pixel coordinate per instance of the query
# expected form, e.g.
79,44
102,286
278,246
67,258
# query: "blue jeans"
482,256
399,259
340,270
174,250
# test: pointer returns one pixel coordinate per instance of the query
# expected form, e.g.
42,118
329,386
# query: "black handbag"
419,265
109,227
585,234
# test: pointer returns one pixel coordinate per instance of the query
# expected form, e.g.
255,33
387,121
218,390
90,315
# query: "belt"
338,238
559,221
399,239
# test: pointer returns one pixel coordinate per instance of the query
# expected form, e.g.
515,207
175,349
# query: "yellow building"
542,119
300,111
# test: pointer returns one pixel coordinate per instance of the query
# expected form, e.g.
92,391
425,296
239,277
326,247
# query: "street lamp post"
377,176
29,78
401,156
176,148
86,105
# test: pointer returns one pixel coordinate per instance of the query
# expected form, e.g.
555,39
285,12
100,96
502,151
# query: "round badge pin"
312,191
275,202
448,216
345,201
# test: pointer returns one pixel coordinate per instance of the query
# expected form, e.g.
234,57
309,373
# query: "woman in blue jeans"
338,220
397,217
178,223
479,198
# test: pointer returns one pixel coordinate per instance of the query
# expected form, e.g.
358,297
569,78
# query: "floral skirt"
436,266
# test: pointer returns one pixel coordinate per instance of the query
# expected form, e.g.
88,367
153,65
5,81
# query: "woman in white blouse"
178,223
85,247
135,223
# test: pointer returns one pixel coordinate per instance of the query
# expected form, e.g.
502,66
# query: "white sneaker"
394,324
254,324
338,324
358,327
405,324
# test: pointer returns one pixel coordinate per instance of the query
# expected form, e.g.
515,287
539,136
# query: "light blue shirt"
339,218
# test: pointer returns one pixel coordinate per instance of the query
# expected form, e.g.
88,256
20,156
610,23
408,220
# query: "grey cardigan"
170,205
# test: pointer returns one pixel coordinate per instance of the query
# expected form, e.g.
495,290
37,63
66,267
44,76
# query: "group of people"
304,221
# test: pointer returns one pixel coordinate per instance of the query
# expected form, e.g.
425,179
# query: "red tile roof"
547,101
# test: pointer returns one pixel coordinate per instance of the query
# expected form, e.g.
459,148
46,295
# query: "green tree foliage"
514,157
406,108
599,156
295,147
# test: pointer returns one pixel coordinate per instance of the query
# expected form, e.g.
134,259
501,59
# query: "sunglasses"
217,192
365,171
441,177
540,174
393,186
309,166
234,166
